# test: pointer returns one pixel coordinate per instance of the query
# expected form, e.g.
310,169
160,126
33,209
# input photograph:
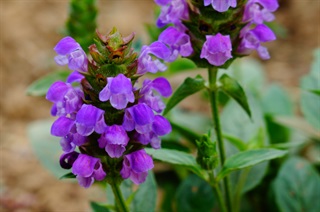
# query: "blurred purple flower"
66,99
217,49
119,91
160,85
179,43
70,52
88,169
114,140
172,11
252,39
221,5
89,119
136,165
146,63
258,11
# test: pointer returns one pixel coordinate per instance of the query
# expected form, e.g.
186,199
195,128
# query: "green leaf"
248,158
41,86
69,175
317,92
146,195
176,158
309,101
297,186
187,88
185,132
46,147
241,145
180,65
195,195
97,207
234,90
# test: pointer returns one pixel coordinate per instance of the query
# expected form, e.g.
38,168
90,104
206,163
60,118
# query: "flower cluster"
105,120
215,32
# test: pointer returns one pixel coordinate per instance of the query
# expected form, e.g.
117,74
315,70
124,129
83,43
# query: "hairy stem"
212,72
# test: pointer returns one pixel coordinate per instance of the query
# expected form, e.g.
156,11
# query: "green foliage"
297,186
69,175
187,88
40,87
195,195
97,207
180,65
248,158
45,146
231,87
176,158
310,101
81,24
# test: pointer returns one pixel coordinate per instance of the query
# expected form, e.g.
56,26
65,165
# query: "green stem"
119,200
212,72
240,184
217,191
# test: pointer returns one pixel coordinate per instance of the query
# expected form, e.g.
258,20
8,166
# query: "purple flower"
90,119
160,127
75,77
138,117
118,91
65,127
88,169
252,39
146,63
136,165
258,11
172,11
114,140
66,99
67,159
221,5
70,52
217,49
179,43
160,85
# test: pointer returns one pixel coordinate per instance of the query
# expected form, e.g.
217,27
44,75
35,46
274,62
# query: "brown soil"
29,31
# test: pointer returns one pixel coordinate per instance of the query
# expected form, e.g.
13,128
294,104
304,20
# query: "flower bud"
207,156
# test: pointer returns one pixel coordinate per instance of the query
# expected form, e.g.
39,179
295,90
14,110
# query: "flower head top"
107,116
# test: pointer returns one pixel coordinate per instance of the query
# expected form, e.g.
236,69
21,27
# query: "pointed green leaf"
185,132
248,158
69,175
180,65
176,158
41,86
297,186
241,145
233,89
187,88
317,92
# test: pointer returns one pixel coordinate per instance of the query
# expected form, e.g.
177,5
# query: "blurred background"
31,28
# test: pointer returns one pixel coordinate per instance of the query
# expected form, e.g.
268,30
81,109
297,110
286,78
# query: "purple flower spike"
119,91
67,159
172,11
89,119
70,141
66,99
145,61
217,49
114,140
70,52
221,5
88,169
139,117
136,165
252,39
160,85
179,43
